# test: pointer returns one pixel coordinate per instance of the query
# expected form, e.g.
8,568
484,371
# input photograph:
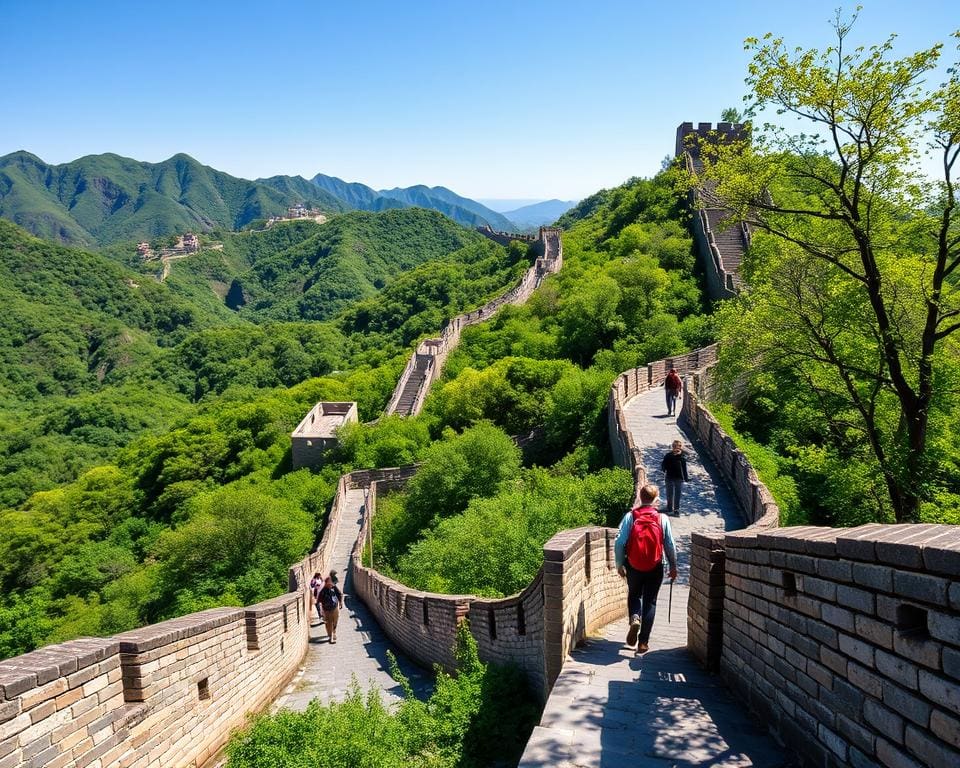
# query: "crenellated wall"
167,694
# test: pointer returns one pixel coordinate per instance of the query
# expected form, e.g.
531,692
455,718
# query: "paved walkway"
610,708
360,652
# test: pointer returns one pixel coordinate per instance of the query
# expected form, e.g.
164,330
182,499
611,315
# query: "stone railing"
168,694
426,363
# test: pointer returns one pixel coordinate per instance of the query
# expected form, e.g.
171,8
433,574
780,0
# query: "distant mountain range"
103,199
538,214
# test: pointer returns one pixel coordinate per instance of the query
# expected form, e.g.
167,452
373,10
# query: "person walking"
643,539
674,466
330,599
673,386
316,584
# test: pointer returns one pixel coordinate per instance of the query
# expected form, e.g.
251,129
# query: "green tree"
857,291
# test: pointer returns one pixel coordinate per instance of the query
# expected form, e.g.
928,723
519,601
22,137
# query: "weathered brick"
892,757
884,720
898,669
878,577
921,586
945,727
865,679
941,691
856,734
918,649
929,749
906,704
951,663
858,599
857,649
838,617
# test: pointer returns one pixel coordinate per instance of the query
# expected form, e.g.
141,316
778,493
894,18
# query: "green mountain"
302,271
101,199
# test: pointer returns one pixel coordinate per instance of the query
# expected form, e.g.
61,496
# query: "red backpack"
645,545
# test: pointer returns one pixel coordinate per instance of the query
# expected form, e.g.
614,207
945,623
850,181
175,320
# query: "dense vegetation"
842,356
144,434
461,725
473,520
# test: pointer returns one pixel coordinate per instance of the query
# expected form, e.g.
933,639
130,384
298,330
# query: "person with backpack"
643,539
673,386
330,599
674,466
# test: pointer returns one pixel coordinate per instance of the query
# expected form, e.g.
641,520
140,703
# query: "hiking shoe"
643,648
634,630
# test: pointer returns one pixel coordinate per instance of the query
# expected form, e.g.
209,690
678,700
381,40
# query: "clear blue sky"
514,98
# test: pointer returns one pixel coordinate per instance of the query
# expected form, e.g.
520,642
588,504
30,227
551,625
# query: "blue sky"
521,99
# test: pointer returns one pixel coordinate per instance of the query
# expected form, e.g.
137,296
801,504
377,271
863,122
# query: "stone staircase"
406,404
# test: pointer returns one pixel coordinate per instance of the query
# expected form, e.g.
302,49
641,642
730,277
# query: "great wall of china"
843,642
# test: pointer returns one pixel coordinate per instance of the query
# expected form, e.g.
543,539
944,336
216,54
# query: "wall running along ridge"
427,361
721,247
576,591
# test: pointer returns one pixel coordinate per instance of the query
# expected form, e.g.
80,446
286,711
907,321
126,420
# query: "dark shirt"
674,466
330,598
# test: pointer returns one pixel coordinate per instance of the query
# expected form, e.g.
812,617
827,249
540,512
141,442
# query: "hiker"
644,537
334,578
330,600
673,386
674,466
316,584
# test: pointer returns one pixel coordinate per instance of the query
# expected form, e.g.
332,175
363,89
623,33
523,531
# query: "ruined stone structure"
317,433
427,361
719,246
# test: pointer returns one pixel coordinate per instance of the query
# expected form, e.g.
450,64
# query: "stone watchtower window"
203,689
789,584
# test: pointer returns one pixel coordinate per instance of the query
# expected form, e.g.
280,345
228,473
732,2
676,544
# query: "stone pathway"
612,709
360,652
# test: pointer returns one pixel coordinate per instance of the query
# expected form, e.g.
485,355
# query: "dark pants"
672,396
674,490
642,590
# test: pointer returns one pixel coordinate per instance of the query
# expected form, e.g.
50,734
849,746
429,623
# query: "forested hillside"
145,425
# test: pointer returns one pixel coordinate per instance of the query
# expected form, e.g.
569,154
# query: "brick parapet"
847,641
167,694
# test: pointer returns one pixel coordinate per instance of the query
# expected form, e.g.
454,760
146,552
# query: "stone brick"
897,669
834,661
892,757
865,679
944,627
856,734
857,649
833,741
878,577
929,749
921,586
941,691
835,570
858,599
945,727
884,720
825,590
951,663
906,704
918,649
838,617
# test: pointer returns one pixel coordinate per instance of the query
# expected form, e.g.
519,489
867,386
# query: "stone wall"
426,364
847,642
164,695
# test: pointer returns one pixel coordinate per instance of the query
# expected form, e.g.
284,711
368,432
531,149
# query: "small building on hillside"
317,433
143,250
191,243
297,211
